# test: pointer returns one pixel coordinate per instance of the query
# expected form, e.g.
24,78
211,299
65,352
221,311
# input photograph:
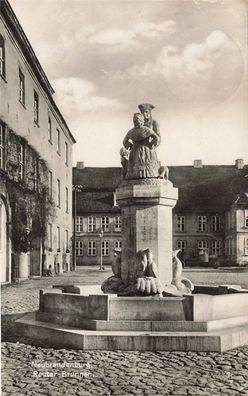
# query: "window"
117,244
79,224
216,247
49,129
58,193
66,240
66,200
2,147
2,56
181,245
66,153
50,184
202,245
92,248
50,236
36,108
58,239
79,248
105,248
246,246
91,224
246,221
58,141
21,87
117,223
105,224
21,162
215,223
202,223
180,223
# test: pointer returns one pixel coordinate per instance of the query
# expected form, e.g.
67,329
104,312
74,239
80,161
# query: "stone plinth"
146,207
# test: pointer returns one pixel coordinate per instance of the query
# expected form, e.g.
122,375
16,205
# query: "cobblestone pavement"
31,368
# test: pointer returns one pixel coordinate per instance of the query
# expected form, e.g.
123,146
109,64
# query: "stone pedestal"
146,207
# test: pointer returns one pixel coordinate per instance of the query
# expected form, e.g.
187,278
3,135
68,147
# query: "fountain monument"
147,304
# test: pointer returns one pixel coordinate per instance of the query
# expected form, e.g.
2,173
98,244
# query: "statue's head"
138,120
146,110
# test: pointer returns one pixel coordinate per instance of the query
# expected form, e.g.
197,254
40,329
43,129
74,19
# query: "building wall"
20,118
111,236
242,235
192,236
192,256
231,248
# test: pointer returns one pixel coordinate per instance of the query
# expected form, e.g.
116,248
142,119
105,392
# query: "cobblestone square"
30,368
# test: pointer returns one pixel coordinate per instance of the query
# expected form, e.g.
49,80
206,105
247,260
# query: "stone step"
139,325
64,336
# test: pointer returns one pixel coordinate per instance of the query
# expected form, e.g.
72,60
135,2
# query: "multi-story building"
35,145
204,218
210,220
98,218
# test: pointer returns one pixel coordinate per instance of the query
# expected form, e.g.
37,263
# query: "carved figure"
182,284
124,153
116,264
164,172
147,273
146,111
141,141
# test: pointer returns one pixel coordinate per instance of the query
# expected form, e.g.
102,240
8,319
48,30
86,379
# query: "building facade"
98,218
35,152
210,220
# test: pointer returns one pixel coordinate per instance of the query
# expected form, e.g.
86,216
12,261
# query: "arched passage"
4,243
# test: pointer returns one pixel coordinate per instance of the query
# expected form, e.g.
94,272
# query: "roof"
96,202
12,21
212,188
97,179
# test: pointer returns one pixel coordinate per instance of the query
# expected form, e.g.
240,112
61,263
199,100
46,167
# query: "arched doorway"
3,243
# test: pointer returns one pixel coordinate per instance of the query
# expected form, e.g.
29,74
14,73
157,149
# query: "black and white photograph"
124,197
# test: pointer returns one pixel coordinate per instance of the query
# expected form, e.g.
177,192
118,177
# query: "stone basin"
216,321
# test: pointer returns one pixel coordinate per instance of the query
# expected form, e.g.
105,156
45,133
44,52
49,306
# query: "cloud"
194,61
124,39
113,37
75,95
152,30
208,1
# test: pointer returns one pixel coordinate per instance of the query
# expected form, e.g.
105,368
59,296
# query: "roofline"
12,21
98,167
169,166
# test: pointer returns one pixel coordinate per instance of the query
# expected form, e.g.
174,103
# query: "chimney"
239,163
114,201
197,163
80,165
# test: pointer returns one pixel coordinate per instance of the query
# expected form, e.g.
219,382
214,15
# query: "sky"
186,57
